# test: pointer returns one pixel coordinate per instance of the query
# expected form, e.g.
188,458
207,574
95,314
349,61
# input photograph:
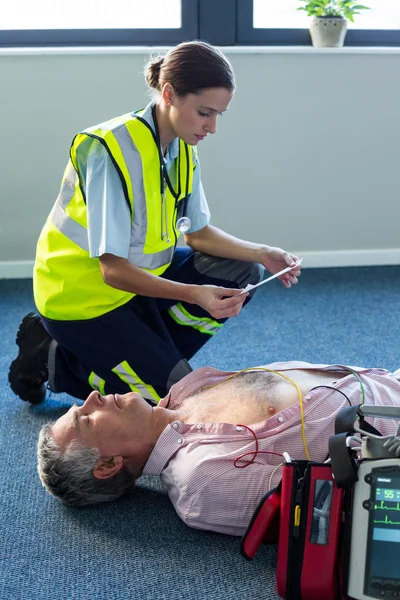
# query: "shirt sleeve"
197,206
224,503
108,215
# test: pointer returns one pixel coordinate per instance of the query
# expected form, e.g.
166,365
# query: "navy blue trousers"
144,345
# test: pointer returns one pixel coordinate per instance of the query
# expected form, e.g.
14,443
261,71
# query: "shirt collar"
173,147
166,446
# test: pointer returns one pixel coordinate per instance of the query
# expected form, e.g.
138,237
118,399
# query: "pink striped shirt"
196,461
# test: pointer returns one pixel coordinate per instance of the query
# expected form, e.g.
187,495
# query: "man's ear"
108,467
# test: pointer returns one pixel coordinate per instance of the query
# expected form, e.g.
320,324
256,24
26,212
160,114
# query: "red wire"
254,453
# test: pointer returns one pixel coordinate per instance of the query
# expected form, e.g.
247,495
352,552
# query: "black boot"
28,372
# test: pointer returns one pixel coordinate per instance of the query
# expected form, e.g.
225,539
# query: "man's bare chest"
251,398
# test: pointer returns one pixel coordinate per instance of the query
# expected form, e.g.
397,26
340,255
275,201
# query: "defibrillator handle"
388,412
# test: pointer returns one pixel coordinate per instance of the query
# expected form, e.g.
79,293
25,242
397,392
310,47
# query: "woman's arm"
122,275
214,241
219,302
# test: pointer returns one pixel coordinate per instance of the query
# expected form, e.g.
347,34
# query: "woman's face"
194,116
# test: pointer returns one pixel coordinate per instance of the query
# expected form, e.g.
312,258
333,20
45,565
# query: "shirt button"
280,419
238,428
180,440
307,398
198,425
333,382
175,425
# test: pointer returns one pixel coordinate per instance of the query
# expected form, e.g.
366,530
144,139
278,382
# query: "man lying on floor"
203,436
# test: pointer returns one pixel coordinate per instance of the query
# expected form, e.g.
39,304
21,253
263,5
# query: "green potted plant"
329,24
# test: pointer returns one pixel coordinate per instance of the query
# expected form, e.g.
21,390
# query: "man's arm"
226,502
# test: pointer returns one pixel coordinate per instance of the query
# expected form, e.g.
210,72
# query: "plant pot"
328,32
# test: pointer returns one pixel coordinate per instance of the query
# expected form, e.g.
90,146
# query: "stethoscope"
183,224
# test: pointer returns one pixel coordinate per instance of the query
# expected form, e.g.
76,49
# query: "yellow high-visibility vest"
68,284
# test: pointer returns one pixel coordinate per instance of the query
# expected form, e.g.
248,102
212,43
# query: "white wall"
306,157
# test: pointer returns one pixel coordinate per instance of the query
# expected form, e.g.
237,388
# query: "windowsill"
123,50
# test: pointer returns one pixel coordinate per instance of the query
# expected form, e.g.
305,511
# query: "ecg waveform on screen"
386,521
385,507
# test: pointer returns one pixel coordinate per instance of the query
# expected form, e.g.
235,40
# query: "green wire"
360,382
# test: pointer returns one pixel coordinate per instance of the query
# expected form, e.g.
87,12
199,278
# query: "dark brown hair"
191,67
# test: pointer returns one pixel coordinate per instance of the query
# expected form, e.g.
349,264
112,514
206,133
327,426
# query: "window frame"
107,37
220,22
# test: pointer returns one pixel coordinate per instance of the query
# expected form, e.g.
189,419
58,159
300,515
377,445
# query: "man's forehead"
66,427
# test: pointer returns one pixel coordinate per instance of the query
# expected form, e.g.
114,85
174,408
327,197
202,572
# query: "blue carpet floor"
138,549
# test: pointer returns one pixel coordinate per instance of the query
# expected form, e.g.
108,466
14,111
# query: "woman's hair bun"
152,72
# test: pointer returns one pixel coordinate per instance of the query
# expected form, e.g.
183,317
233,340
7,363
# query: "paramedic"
107,266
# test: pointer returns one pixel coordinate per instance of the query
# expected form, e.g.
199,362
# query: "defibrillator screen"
383,551
321,511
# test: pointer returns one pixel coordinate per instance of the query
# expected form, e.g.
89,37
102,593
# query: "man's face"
117,425
195,115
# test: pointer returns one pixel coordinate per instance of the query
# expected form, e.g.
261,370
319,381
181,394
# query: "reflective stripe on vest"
70,228
203,324
97,383
132,173
78,234
68,284
132,379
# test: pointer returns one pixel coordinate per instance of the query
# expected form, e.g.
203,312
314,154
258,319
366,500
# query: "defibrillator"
337,524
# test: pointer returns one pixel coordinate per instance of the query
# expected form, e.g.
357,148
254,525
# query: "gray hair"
69,474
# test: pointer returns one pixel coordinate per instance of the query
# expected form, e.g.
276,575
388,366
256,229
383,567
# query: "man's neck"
161,418
164,417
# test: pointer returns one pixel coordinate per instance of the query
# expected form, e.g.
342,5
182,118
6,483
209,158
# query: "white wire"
286,456
352,438
272,474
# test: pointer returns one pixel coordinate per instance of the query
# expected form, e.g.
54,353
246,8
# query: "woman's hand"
275,259
219,302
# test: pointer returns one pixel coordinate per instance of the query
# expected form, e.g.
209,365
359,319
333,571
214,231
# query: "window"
73,22
383,14
279,22
92,14
167,22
